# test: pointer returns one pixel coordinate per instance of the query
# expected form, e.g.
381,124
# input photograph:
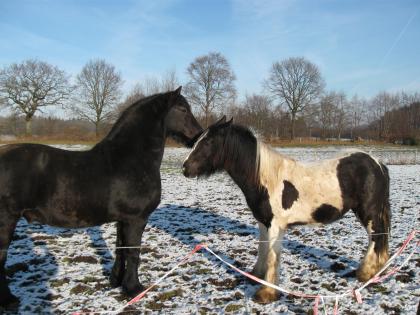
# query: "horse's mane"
241,149
130,113
258,160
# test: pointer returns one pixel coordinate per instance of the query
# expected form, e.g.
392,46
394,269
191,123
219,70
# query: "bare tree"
149,86
153,85
211,83
257,109
32,85
169,81
395,117
136,93
297,83
310,114
381,104
357,111
325,114
99,90
340,113
406,99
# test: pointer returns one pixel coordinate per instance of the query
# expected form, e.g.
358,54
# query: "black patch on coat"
289,195
365,189
326,213
260,206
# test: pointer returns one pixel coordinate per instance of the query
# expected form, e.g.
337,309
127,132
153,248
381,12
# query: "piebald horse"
117,180
282,192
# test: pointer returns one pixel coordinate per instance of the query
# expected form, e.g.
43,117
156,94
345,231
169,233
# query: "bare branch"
31,85
98,89
211,83
297,83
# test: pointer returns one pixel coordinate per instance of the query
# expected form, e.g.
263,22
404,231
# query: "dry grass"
90,140
307,142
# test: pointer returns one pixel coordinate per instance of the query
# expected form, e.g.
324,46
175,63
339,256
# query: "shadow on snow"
34,285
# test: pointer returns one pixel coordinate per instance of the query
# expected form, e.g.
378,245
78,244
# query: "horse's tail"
383,226
386,208
380,227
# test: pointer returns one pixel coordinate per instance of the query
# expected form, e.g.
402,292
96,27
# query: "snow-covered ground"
57,270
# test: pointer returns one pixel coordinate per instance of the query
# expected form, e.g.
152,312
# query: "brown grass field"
90,140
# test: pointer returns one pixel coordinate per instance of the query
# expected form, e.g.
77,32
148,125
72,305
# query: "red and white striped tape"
317,298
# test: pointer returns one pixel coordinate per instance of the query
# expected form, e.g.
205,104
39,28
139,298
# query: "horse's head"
180,122
206,155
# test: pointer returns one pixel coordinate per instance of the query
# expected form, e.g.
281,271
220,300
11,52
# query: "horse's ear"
221,121
173,96
178,90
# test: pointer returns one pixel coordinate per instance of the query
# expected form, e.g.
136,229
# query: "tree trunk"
97,129
292,126
207,117
28,126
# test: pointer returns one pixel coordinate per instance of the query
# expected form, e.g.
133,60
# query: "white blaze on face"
196,143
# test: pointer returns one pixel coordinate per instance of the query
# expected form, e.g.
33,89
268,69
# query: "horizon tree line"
293,101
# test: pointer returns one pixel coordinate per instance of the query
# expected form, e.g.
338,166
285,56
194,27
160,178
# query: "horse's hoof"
364,273
9,302
363,276
115,281
266,295
133,291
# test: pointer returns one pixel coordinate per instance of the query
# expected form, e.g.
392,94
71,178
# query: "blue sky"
361,47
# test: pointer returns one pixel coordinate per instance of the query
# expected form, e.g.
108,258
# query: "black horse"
117,180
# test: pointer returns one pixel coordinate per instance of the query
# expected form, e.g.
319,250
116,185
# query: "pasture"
63,270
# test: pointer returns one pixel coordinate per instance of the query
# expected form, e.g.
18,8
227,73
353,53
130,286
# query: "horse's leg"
376,254
260,267
375,216
118,269
132,233
7,228
266,294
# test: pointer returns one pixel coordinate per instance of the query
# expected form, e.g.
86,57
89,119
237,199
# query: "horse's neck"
243,168
144,141
271,166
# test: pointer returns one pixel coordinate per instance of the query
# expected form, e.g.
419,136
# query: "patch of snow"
55,270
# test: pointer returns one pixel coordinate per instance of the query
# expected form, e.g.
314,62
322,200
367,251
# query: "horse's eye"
182,109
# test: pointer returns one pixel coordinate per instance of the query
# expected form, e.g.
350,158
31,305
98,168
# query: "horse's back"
74,189
35,161
357,173
323,191
46,183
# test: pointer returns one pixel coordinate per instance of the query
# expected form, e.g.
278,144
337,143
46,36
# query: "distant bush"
410,141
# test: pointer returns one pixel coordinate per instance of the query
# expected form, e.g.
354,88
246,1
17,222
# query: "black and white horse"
117,180
282,192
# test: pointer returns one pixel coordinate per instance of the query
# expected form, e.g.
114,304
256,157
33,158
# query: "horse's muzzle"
185,171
